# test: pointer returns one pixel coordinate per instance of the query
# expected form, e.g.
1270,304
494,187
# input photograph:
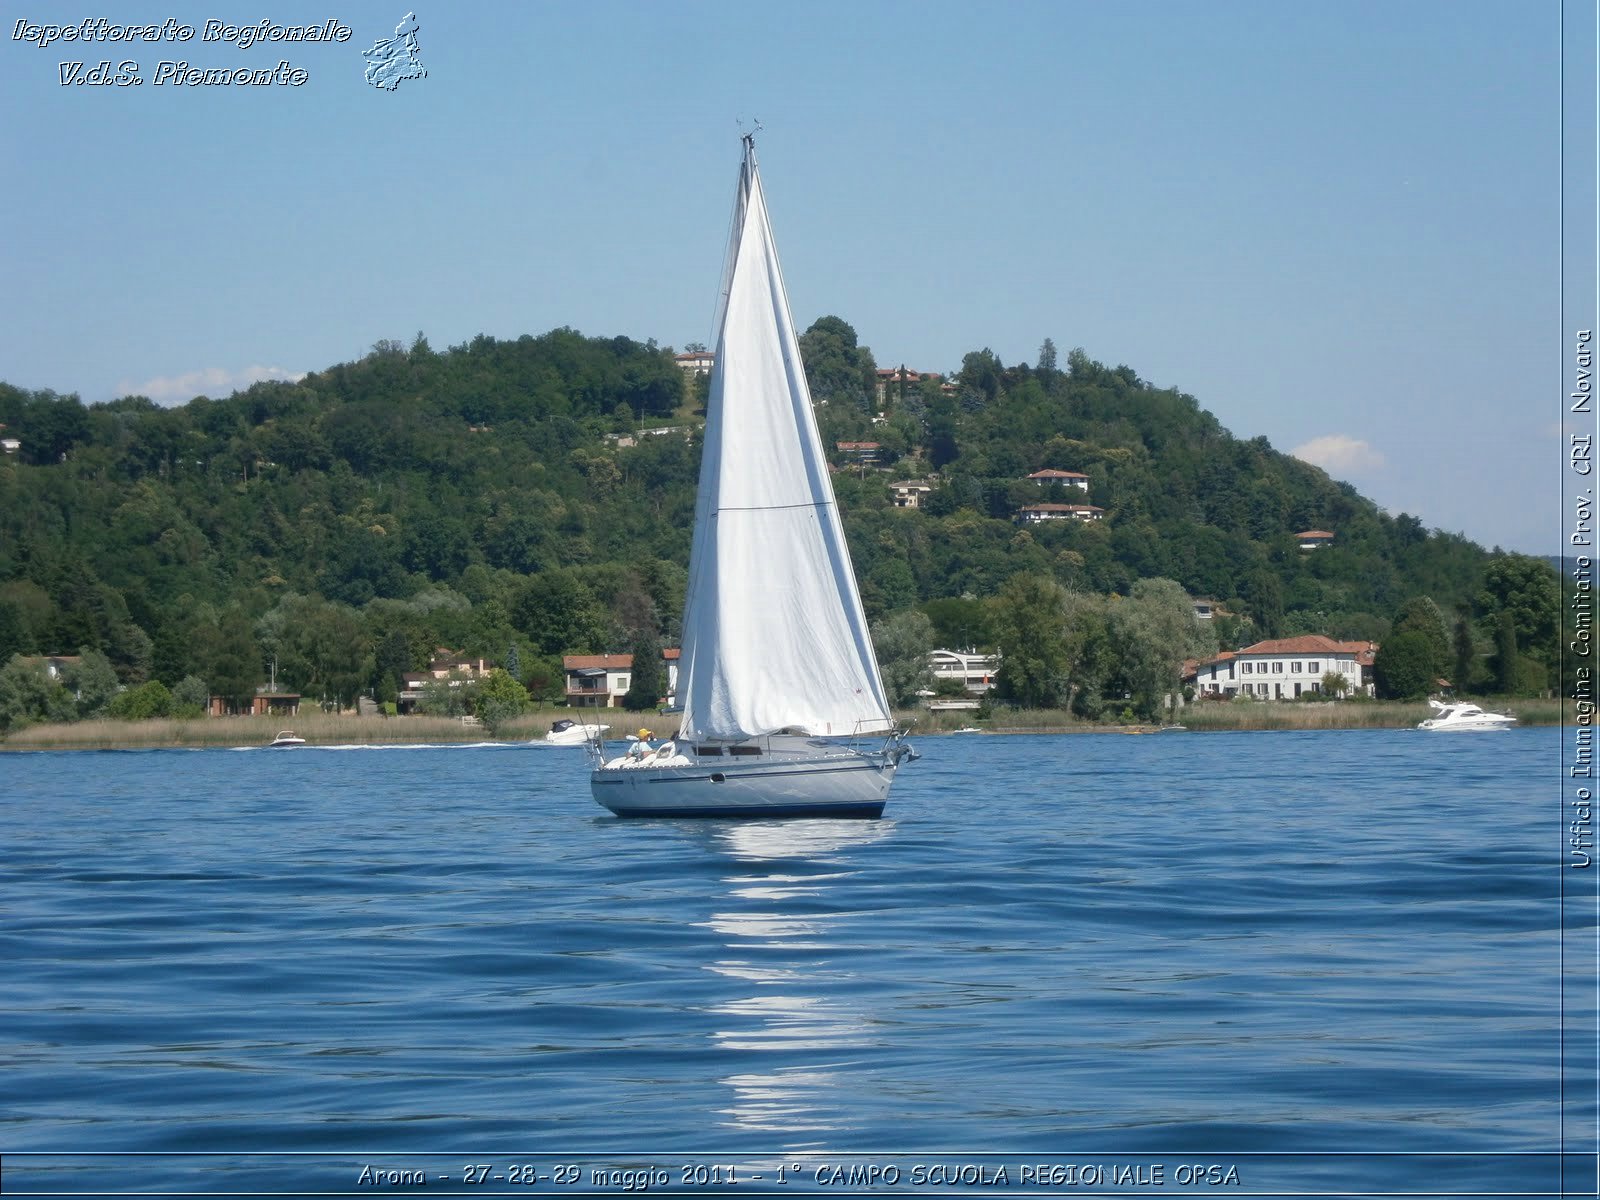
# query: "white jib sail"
773,632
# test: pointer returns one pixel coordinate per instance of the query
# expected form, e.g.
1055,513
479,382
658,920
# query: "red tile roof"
609,662
1309,643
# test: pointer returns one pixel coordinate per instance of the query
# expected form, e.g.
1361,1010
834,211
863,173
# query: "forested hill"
482,497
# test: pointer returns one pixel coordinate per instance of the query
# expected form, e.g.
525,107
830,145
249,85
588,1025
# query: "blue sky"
1337,226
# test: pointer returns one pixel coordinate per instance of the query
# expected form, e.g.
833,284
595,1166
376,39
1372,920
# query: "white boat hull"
1464,718
836,783
577,735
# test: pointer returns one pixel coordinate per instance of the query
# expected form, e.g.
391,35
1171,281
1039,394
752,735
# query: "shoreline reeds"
331,729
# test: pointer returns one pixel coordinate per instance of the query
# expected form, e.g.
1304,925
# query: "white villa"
1032,514
908,493
1286,668
696,362
975,672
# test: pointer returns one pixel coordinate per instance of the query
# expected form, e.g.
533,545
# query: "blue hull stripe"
870,810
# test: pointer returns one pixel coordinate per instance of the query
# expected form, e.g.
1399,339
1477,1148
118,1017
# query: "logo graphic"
396,58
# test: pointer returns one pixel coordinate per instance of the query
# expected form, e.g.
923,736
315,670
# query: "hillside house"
909,493
891,376
696,362
1052,477
865,453
1033,514
1314,539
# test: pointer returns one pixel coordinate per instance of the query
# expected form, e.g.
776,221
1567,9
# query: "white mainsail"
773,633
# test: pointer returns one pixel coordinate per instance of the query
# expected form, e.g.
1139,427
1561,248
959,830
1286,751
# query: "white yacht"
572,733
1468,718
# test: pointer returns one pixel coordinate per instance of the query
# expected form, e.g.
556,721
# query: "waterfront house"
1286,668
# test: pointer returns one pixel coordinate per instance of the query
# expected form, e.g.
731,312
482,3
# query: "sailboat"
784,711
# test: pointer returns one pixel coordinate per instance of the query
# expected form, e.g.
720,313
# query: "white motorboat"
286,737
784,711
574,733
1464,717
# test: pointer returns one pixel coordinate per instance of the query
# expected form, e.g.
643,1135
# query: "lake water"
1326,963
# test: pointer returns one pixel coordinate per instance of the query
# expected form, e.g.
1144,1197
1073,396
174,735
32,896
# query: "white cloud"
208,381
1339,454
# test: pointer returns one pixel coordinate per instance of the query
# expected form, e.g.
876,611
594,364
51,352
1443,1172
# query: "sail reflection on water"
785,948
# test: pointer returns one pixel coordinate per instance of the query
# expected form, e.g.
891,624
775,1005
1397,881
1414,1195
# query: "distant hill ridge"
487,488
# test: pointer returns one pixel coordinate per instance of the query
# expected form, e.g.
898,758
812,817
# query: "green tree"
328,652
1263,594
93,681
190,697
838,370
13,633
545,680
449,697
498,698
1530,592
1156,631
1505,653
561,614
1092,652
1403,667
902,641
959,623
647,682
1421,615
142,703
1029,623
390,664
1466,656
231,658
28,694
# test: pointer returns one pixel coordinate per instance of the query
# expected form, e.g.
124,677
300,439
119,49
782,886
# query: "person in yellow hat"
641,746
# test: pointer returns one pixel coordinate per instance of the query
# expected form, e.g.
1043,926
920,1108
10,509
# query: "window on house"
622,682
1295,667
1244,668
1316,668
1277,668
